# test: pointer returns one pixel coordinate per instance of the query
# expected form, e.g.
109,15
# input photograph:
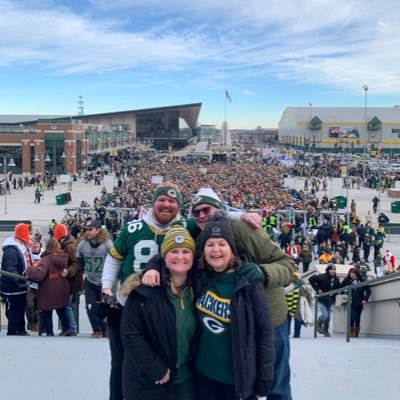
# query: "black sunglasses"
205,211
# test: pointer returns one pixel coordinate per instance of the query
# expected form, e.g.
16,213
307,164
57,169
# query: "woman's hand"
151,278
165,379
64,274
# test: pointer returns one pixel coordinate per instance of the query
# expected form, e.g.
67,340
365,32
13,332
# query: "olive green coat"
278,267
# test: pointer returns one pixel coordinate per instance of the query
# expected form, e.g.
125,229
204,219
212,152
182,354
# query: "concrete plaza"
20,205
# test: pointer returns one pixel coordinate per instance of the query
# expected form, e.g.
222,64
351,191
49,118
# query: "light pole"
68,156
43,159
85,166
365,87
379,186
85,162
309,127
11,163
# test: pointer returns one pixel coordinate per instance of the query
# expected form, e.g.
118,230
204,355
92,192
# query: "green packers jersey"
214,357
135,246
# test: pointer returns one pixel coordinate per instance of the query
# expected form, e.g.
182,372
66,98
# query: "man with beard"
91,253
133,248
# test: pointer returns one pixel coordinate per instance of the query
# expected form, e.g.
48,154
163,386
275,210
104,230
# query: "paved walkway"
60,368
20,203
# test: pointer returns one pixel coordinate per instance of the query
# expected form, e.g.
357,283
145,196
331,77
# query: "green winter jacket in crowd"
278,267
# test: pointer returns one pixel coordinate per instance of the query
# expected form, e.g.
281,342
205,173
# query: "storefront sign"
342,132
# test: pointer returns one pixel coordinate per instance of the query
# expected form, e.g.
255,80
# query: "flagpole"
225,122
226,100
227,97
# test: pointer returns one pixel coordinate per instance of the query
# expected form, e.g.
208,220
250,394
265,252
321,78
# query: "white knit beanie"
206,196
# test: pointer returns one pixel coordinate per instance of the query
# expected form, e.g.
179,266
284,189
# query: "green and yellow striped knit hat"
177,237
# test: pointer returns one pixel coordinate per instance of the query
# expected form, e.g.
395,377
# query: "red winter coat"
53,288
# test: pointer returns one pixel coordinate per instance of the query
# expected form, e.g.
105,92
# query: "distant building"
70,143
207,132
334,129
256,137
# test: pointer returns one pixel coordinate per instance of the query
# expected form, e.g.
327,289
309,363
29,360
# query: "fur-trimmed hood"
130,284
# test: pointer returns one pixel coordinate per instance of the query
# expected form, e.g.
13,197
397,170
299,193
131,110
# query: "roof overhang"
189,112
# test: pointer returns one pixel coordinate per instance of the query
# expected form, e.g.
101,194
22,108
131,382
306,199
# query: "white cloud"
339,43
70,43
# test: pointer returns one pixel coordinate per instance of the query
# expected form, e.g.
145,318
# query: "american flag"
227,96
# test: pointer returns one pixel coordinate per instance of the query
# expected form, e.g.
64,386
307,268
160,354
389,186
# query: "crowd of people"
223,244
174,295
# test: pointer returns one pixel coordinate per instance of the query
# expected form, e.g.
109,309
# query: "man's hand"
363,303
107,292
252,272
252,219
165,379
151,278
64,273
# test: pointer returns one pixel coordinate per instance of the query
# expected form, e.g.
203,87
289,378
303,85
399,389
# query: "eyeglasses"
204,210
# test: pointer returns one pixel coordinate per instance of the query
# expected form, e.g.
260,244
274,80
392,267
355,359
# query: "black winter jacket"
252,340
148,332
359,294
284,239
325,283
252,334
13,261
148,354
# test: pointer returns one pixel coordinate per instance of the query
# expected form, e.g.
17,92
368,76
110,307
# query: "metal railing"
9,225
349,290
22,278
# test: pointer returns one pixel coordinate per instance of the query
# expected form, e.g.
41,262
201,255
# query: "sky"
133,54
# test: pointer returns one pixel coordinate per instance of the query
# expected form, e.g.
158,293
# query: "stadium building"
70,143
335,129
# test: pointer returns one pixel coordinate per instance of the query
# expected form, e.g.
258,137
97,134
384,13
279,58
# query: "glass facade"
163,128
115,133
157,125
79,157
54,147
16,153
32,157
208,132
47,166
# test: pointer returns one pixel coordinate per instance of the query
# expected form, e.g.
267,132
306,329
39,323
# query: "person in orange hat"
16,259
73,274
